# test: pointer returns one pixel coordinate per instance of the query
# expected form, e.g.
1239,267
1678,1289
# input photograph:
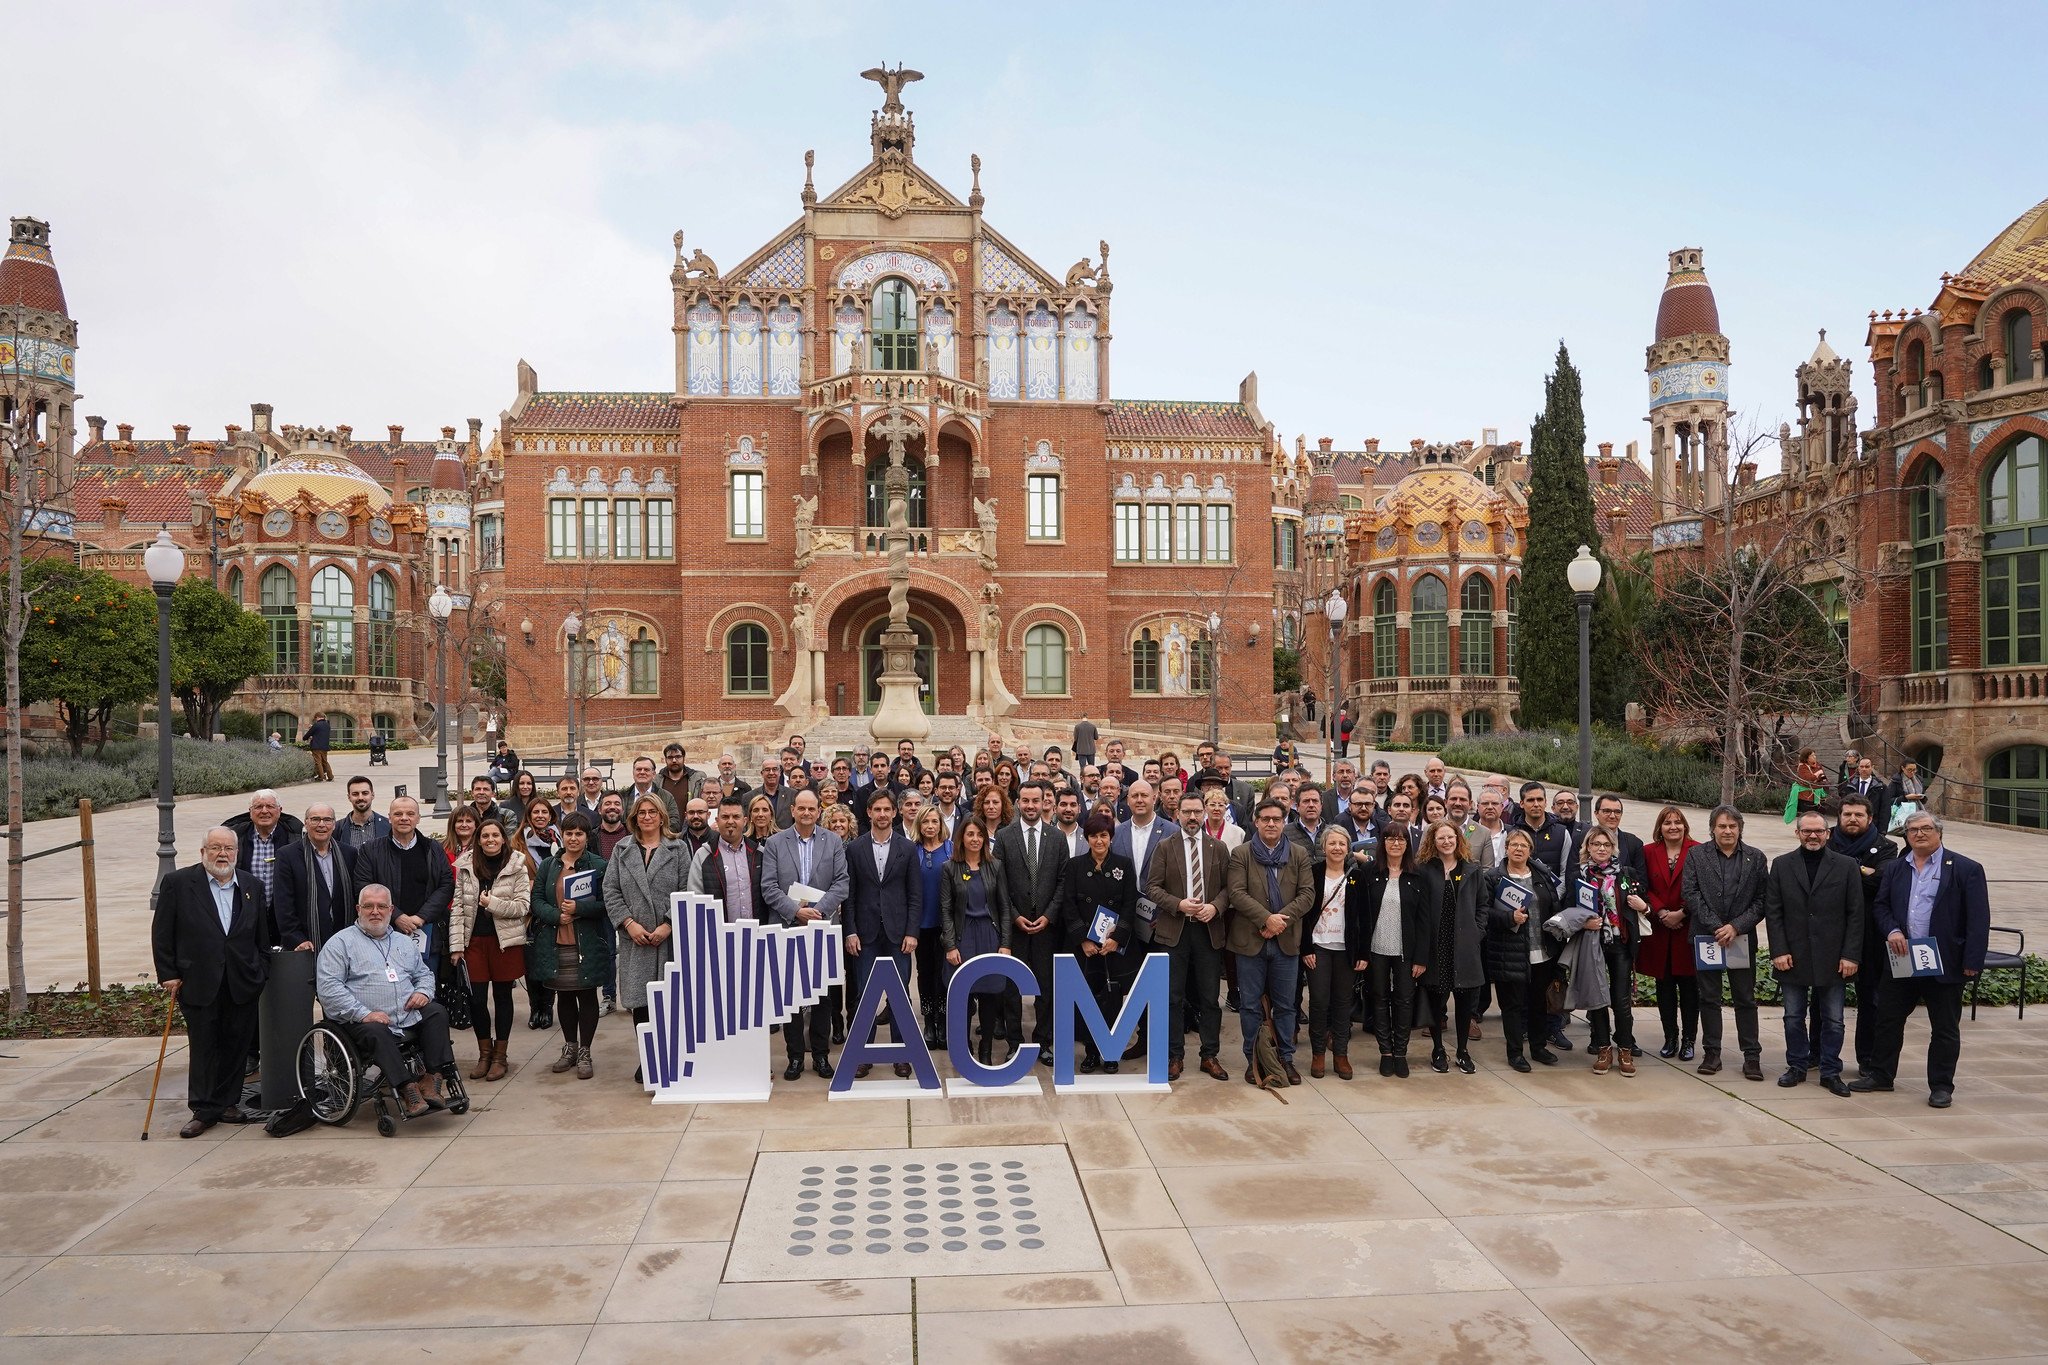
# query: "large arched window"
643,665
233,590
2019,345
334,625
2016,786
1385,661
1045,661
1928,514
1475,627
746,660
1382,726
1429,629
1479,722
284,725
894,329
280,602
1145,664
1514,596
2015,545
878,493
1432,728
383,625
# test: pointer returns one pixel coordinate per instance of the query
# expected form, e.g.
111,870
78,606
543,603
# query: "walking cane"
161,1048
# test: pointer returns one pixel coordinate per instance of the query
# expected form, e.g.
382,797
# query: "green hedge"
1639,769
127,772
1999,988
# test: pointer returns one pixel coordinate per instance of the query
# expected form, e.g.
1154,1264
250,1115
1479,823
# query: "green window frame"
661,528
279,594
746,506
746,660
1475,627
1042,507
1158,532
1187,532
1514,596
1386,658
1201,666
1479,722
383,630
1429,628
878,494
1220,548
626,528
1430,727
1045,661
334,625
1129,533
643,665
562,528
1145,664
2015,552
597,528
2016,786
894,326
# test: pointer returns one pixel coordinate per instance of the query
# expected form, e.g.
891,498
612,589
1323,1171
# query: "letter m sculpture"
708,1012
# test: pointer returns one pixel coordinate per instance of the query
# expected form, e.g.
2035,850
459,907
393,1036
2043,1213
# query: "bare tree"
35,502
1736,640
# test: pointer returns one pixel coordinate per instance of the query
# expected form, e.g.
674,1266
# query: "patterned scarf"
1272,859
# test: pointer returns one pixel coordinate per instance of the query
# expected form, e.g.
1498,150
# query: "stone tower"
1827,416
1688,369
38,341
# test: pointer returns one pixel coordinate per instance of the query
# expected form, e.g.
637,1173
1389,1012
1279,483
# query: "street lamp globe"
573,626
1215,624
440,604
1583,573
1334,607
163,561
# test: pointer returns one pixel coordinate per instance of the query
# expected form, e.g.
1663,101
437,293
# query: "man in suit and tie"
1186,888
886,904
1814,908
1874,789
946,796
1033,860
1136,838
808,856
316,889
1929,893
208,955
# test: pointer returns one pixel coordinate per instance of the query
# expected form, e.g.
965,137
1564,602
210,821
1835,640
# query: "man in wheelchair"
374,984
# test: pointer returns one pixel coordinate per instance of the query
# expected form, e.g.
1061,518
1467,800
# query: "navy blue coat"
1961,923
887,909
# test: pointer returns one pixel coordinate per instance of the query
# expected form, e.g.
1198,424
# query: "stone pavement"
1554,1216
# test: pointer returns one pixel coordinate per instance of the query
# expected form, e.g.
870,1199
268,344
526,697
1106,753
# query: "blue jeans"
1277,976
1825,1003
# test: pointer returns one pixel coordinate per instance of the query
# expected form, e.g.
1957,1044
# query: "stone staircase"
837,735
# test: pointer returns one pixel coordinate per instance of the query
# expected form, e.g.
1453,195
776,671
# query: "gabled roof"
1140,419
600,412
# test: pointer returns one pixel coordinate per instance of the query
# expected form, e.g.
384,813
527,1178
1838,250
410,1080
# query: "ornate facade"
1067,547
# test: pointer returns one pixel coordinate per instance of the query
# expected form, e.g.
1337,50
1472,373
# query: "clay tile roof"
1687,304
375,458
601,412
153,492
28,279
2018,253
1631,502
1168,419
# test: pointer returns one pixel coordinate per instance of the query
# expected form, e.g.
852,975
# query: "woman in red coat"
1666,954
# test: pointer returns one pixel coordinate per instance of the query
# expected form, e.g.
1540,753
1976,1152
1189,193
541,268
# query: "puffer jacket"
1507,945
511,902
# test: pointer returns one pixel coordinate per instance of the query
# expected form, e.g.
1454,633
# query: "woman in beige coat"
487,930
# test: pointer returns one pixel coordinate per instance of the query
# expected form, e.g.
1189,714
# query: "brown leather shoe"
483,1060
1315,1066
233,1114
1342,1065
1626,1061
860,1073
1710,1063
1212,1067
1293,1076
1603,1061
496,1072
195,1128
1173,1068
415,1103
1472,1033
903,1071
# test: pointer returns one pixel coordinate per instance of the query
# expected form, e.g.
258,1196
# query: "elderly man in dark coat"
1813,903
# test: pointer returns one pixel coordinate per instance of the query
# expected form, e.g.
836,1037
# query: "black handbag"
452,987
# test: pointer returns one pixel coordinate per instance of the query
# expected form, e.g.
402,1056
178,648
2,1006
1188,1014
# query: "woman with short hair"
1516,897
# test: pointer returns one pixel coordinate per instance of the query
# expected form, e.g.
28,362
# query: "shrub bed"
2000,988
1639,769
126,771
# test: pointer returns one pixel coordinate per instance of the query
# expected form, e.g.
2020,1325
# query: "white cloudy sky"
368,213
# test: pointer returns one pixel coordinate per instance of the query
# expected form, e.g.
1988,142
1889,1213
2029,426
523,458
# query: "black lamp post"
164,562
439,606
572,628
1334,608
1583,573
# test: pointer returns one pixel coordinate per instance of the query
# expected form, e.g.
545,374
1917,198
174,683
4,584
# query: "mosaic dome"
2018,253
328,478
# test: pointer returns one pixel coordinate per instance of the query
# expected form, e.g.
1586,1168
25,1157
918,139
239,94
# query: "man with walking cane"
208,955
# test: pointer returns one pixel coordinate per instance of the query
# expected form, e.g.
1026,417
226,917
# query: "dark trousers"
1102,977
579,1014
480,997
1616,1025
1514,1014
1448,1004
219,1038
430,1035
1538,1018
1944,1001
1870,983
1197,976
1036,952
1393,988
1678,1006
1741,982
931,972
862,967
813,1025
1330,993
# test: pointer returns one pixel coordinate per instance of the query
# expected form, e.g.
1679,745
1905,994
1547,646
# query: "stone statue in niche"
801,621
985,516
806,513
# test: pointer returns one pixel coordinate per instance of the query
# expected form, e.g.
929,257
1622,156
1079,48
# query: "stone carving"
699,267
985,516
1085,274
892,83
806,513
801,622
893,190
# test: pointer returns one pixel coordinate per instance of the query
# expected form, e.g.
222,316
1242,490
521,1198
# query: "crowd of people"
1369,907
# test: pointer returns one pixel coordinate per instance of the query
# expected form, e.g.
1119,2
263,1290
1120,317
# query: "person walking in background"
319,739
1666,955
572,945
1084,742
487,932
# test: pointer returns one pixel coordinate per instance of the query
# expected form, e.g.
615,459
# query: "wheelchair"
336,1078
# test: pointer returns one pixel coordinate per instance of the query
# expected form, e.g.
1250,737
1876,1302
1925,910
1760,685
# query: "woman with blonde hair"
487,930
839,818
645,869
760,817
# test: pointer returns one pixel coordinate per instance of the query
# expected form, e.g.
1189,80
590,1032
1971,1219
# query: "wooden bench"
1249,766
547,771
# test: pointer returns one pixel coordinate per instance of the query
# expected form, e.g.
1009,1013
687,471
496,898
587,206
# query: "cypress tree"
1560,520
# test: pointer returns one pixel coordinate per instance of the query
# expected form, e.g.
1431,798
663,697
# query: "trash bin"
430,787
284,1015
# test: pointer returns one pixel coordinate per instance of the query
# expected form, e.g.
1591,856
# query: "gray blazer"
1719,890
640,891
1819,922
781,868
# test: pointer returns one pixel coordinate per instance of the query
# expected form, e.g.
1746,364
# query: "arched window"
1514,612
2016,786
334,626
1475,627
878,493
1429,629
746,660
1478,722
1385,660
383,625
643,665
2015,547
1928,512
341,727
894,328
1382,726
2019,345
279,593
285,725
1145,664
1985,371
233,590
1045,661
1916,364
1432,728
385,724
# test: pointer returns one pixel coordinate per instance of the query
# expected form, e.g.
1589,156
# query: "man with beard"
1856,836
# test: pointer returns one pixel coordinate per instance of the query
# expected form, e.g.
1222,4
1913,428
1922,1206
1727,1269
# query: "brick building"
1068,547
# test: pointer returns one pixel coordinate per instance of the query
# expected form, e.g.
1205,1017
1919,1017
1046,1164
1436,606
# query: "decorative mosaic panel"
745,456
846,329
1080,357
1041,354
862,271
785,349
783,268
999,272
744,352
706,365
1677,533
1978,430
39,358
938,335
447,517
1688,382
1002,354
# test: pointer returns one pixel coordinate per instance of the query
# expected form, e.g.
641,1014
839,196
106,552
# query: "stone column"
900,713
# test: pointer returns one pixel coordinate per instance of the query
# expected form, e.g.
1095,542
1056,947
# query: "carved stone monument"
900,713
